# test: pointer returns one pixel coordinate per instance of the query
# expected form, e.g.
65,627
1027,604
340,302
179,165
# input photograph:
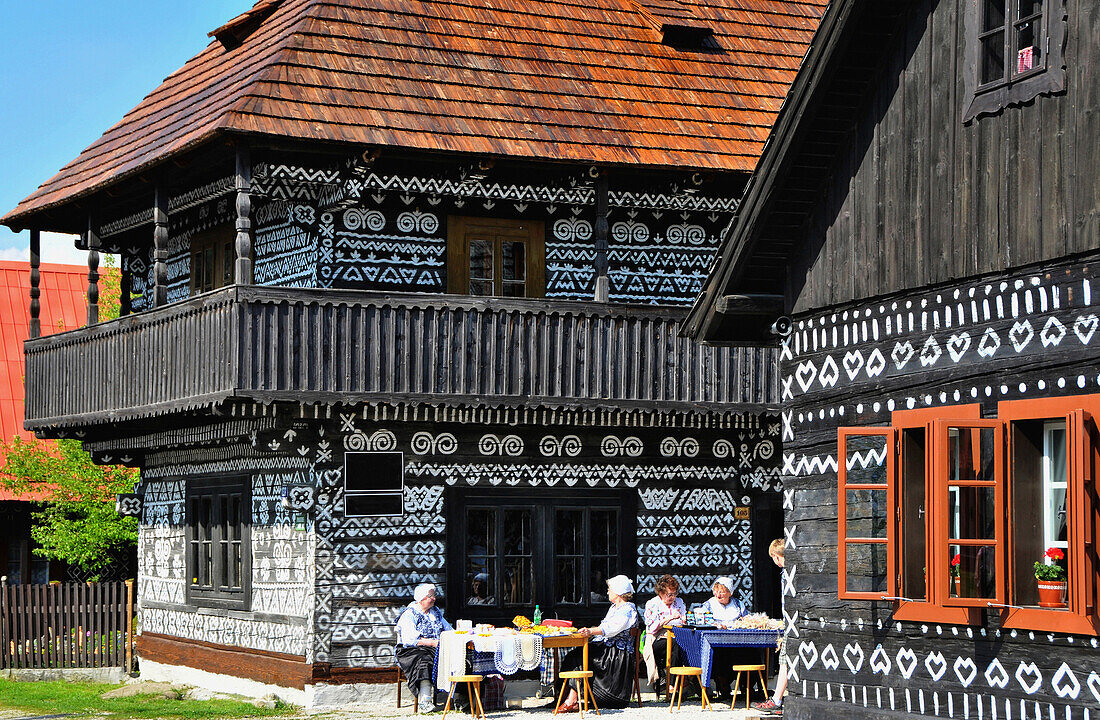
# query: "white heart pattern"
1065,683
965,670
903,353
957,345
880,661
936,665
805,375
1084,327
807,651
996,675
1034,679
1094,685
829,658
853,657
853,363
1020,335
907,662
989,343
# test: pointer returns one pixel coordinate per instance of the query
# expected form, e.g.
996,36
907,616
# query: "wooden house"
406,286
922,232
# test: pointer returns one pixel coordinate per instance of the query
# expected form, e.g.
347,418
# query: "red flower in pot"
1052,579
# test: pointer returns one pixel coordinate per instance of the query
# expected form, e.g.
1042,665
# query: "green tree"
77,522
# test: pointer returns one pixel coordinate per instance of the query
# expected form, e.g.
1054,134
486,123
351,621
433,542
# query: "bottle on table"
536,617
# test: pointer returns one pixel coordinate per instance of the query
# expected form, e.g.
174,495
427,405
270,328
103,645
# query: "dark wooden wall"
922,198
926,349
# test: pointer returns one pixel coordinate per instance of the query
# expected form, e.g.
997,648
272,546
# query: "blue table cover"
698,643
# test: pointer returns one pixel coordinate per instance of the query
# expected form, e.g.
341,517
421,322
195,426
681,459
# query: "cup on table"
464,625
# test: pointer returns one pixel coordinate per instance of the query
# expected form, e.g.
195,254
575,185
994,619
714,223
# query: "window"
946,513
213,254
374,484
494,257
510,553
1015,52
219,554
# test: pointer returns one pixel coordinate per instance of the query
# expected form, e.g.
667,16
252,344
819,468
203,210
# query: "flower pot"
956,583
1052,593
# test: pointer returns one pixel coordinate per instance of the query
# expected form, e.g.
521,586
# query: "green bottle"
537,616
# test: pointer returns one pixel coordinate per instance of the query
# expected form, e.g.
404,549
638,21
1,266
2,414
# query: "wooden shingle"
578,81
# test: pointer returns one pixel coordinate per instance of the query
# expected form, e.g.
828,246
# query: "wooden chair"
401,680
585,693
682,674
748,670
473,689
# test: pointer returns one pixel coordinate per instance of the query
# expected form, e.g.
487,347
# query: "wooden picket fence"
67,625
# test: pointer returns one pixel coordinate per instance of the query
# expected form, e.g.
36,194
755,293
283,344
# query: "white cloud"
57,248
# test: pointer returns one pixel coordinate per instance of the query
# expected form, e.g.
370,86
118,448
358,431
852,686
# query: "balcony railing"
330,346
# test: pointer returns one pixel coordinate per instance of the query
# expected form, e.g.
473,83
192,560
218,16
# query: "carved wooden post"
36,257
160,247
93,273
242,269
125,284
600,236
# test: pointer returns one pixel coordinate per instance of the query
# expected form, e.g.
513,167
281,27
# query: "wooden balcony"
271,344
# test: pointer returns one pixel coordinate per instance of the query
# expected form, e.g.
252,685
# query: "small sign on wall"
374,484
741,513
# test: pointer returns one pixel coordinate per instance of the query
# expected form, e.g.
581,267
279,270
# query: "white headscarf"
620,585
725,582
423,590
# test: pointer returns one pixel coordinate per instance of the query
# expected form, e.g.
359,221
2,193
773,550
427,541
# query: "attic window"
233,34
678,25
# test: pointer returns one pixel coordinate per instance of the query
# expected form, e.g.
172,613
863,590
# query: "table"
551,642
698,643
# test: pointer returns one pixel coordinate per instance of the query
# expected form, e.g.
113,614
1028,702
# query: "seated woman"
610,655
418,630
724,609
665,609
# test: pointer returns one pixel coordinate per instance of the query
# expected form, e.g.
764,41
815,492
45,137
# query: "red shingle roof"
577,80
64,289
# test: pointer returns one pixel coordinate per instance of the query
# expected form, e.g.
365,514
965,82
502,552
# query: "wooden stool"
473,688
585,693
401,679
676,691
748,670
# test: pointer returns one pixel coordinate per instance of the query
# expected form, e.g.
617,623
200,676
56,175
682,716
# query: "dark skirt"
660,649
418,663
612,673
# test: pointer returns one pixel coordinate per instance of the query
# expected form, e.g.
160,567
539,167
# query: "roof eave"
738,241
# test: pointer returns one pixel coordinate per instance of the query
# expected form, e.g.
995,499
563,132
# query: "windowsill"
1059,620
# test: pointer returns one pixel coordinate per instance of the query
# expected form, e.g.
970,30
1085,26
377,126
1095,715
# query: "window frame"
1082,448
220,241
1013,88
459,500
842,512
216,594
1081,413
531,232
930,609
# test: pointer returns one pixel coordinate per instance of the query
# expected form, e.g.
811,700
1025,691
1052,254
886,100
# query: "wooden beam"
771,305
35,329
93,272
242,269
600,231
125,287
160,246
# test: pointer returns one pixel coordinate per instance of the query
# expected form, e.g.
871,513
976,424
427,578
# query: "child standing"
774,704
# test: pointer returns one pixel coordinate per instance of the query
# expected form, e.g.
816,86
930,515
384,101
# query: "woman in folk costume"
418,630
725,609
611,652
664,609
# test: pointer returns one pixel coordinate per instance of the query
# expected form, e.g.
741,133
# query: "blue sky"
69,69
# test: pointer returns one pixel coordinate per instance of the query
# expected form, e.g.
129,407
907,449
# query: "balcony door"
495,257
510,550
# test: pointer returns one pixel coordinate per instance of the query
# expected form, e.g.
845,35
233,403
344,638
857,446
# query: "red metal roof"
64,291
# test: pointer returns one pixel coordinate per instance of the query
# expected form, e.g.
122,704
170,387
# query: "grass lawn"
57,698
